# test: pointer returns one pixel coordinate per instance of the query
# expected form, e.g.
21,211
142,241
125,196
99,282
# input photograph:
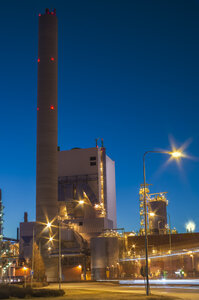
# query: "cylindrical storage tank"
104,257
157,217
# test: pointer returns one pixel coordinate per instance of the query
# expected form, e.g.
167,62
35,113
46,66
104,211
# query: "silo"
157,216
104,257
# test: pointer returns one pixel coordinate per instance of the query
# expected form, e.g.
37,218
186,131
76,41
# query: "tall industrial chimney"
47,177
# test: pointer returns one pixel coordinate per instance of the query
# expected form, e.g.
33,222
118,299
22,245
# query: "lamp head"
176,154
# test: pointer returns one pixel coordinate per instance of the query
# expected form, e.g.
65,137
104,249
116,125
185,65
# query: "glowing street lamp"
25,268
81,202
174,154
190,226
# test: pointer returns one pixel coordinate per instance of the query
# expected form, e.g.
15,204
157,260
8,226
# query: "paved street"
182,292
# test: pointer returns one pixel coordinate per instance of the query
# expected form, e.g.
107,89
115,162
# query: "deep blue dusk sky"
129,73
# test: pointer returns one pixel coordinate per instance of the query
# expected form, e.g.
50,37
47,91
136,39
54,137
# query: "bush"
19,292
4,294
7,291
47,293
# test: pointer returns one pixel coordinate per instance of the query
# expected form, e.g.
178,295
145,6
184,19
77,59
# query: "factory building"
86,186
76,197
85,204
87,208
156,206
170,255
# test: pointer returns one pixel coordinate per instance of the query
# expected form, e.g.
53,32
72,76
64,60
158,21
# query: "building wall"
77,162
111,192
26,239
88,170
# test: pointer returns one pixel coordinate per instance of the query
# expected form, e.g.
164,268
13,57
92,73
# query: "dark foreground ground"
96,291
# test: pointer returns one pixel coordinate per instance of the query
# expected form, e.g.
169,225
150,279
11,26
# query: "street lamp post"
174,154
24,268
60,270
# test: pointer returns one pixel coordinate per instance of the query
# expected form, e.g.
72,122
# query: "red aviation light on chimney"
38,60
52,59
39,15
52,107
37,108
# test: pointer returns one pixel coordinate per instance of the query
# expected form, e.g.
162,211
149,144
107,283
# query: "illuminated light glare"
25,268
49,248
38,60
176,154
39,15
79,267
52,59
152,214
81,201
190,226
52,107
51,239
48,225
159,256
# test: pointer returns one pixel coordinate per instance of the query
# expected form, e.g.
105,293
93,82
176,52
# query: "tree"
38,265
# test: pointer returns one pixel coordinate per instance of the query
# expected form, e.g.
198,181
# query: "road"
182,292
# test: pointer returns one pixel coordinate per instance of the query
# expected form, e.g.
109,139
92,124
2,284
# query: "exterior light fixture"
176,154
190,226
51,239
48,225
81,201
152,214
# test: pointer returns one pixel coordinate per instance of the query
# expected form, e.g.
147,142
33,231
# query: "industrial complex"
75,235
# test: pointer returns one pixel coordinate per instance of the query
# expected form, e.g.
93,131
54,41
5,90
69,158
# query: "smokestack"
17,233
47,176
25,217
